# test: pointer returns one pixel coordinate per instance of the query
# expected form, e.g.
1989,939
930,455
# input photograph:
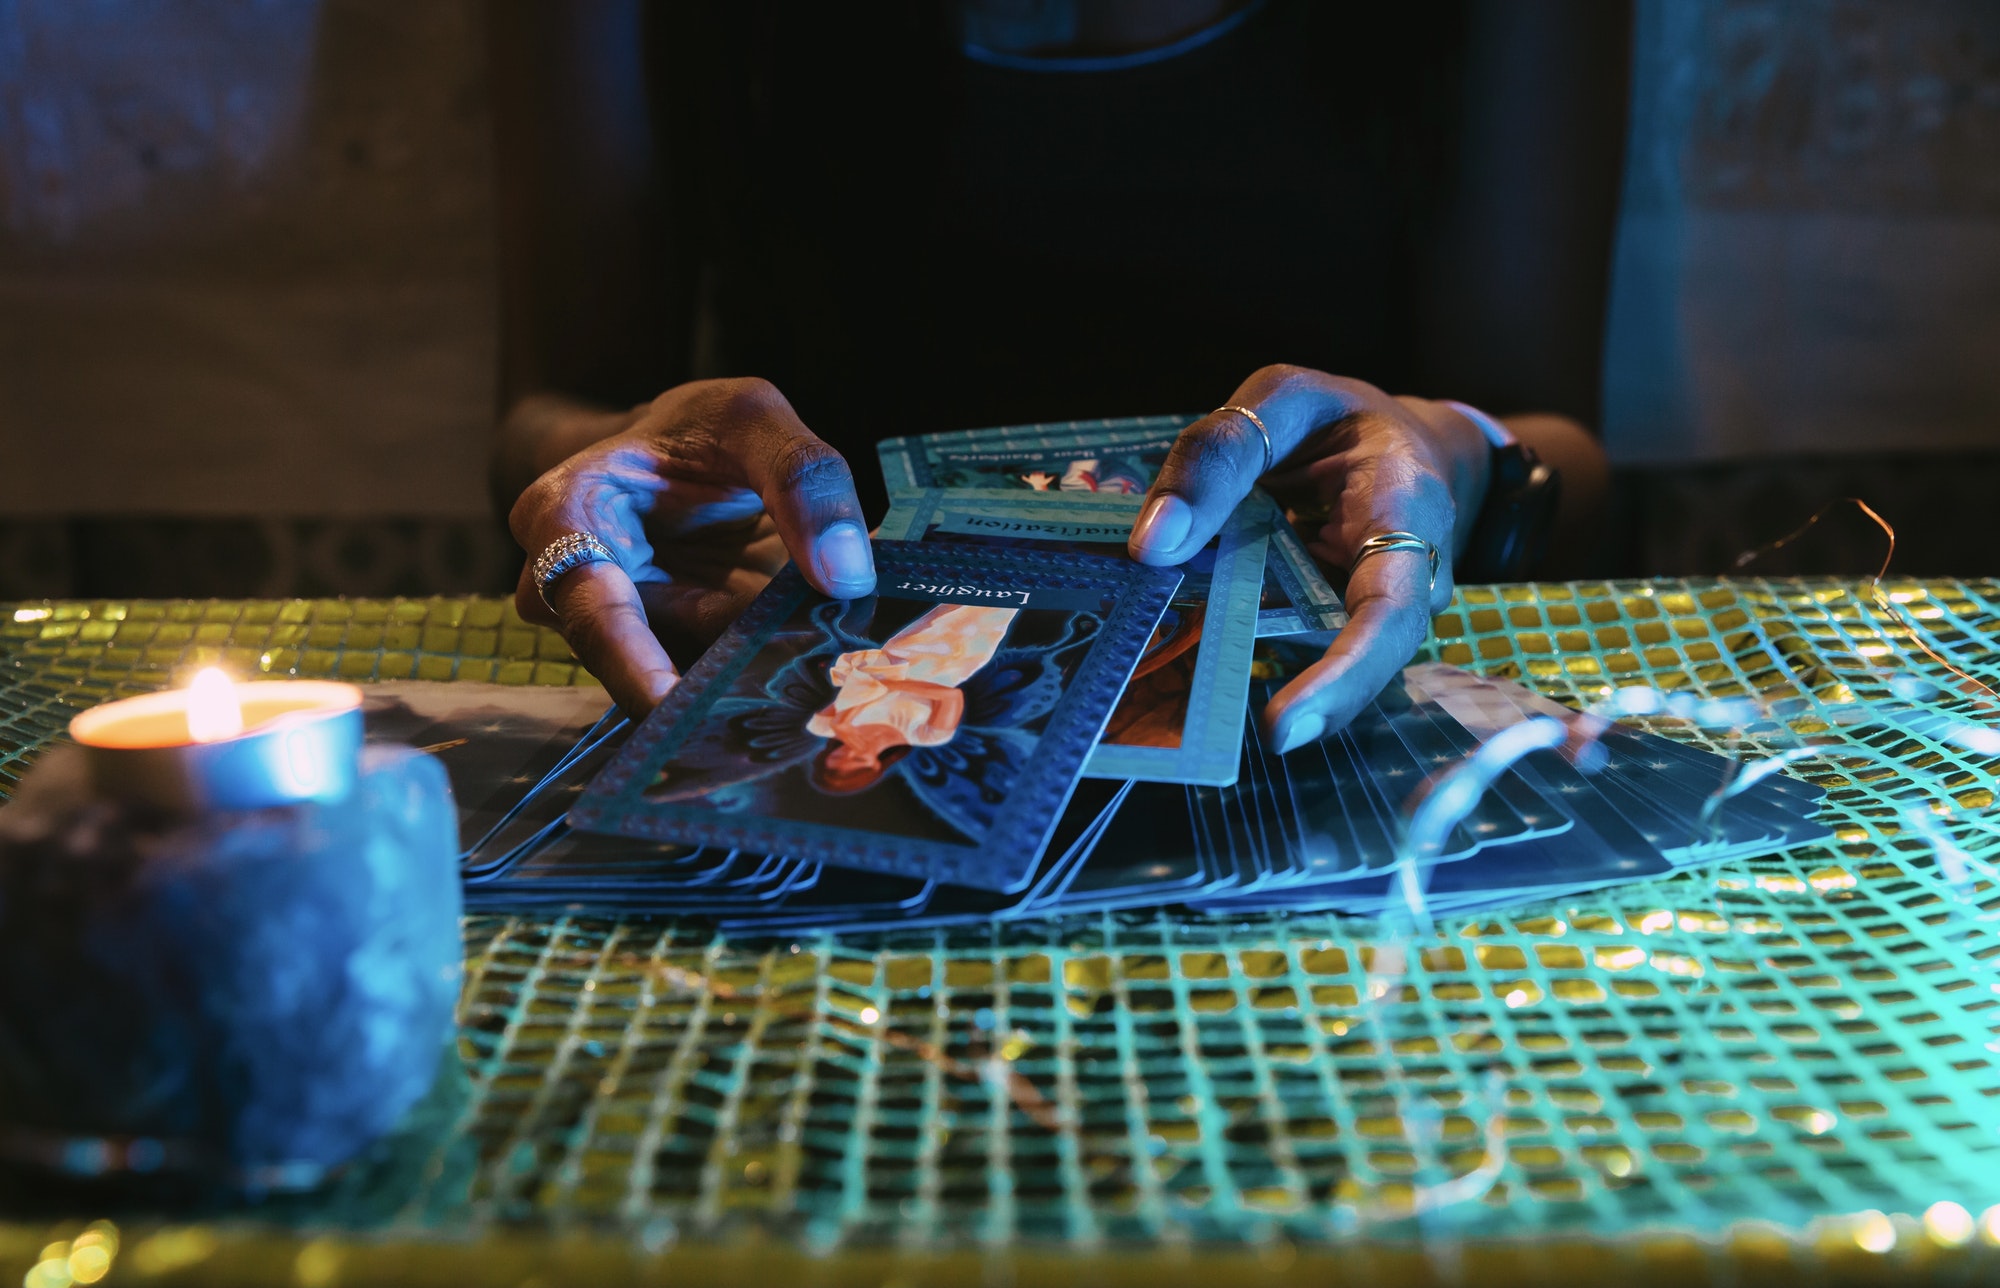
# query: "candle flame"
213,712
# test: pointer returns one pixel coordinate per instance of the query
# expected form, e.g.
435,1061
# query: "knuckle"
745,397
809,468
1215,451
537,499
1210,436
670,401
1359,391
1281,378
711,409
1376,425
1280,375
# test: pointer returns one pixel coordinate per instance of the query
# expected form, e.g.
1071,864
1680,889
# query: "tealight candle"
229,938
219,744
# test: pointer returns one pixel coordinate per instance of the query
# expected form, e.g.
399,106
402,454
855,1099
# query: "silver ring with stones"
566,553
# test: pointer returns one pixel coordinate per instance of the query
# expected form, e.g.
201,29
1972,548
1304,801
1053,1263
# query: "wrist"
1469,437
1505,529
1494,431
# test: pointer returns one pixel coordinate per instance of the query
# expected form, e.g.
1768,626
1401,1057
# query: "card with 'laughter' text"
934,729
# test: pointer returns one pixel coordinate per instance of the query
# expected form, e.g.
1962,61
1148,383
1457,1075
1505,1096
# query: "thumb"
1212,467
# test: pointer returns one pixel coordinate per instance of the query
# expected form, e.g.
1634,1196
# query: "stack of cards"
1060,462
1023,722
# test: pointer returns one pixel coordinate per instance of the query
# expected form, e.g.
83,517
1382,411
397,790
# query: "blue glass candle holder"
251,995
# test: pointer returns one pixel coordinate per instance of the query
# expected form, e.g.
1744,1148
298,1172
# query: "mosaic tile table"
1785,1065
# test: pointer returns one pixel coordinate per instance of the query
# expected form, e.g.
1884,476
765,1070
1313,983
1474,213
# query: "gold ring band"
1258,421
1383,542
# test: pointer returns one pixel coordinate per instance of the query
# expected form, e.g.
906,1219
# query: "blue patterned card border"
1211,749
1311,604
1003,859
1043,516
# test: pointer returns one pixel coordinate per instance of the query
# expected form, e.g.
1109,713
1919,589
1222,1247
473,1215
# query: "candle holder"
247,995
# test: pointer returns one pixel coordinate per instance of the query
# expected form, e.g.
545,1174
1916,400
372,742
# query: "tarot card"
1539,817
1087,522
1546,867
1181,718
573,864
1332,815
1264,808
695,888
1065,433
497,742
1704,770
1622,826
1145,856
1663,793
538,817
942,905
1296,599
841,897
1100,457
1396,772
1506,811
1699,770
1373,828
1072,456
933,729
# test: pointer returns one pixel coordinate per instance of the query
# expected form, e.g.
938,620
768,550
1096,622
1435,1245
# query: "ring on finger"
570,551
1383,542
1258,421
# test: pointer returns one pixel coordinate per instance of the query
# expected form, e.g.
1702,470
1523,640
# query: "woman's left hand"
1372,463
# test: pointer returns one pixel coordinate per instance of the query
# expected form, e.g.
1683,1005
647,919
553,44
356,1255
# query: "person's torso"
908,240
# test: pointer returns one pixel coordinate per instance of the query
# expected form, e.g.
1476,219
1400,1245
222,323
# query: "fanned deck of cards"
1022,722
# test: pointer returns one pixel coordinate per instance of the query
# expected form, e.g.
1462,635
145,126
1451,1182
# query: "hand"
701,499
1372,464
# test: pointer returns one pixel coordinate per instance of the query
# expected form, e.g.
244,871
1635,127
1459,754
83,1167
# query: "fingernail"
1163,525
1305,729
846,564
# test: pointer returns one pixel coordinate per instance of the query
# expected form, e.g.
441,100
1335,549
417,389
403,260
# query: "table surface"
1665,1081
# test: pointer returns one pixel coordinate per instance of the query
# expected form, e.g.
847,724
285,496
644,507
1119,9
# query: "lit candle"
219,744
229,939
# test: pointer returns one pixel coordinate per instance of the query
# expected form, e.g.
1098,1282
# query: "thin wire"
1875,591
1748,556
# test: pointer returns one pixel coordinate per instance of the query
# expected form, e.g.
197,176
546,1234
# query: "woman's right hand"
701,500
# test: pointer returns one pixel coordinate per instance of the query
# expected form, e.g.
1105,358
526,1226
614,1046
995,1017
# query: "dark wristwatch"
1513,525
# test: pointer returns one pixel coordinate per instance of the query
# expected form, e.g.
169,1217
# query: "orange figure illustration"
905,693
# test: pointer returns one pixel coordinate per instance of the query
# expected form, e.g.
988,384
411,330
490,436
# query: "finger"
596,606
1390,597
1388,619
601,616
1217,460
807,490
687,618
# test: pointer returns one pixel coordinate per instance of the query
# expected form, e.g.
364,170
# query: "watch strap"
1511,532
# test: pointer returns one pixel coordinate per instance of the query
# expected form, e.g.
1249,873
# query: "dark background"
249,307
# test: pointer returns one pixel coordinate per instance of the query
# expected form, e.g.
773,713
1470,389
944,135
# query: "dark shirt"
905,239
